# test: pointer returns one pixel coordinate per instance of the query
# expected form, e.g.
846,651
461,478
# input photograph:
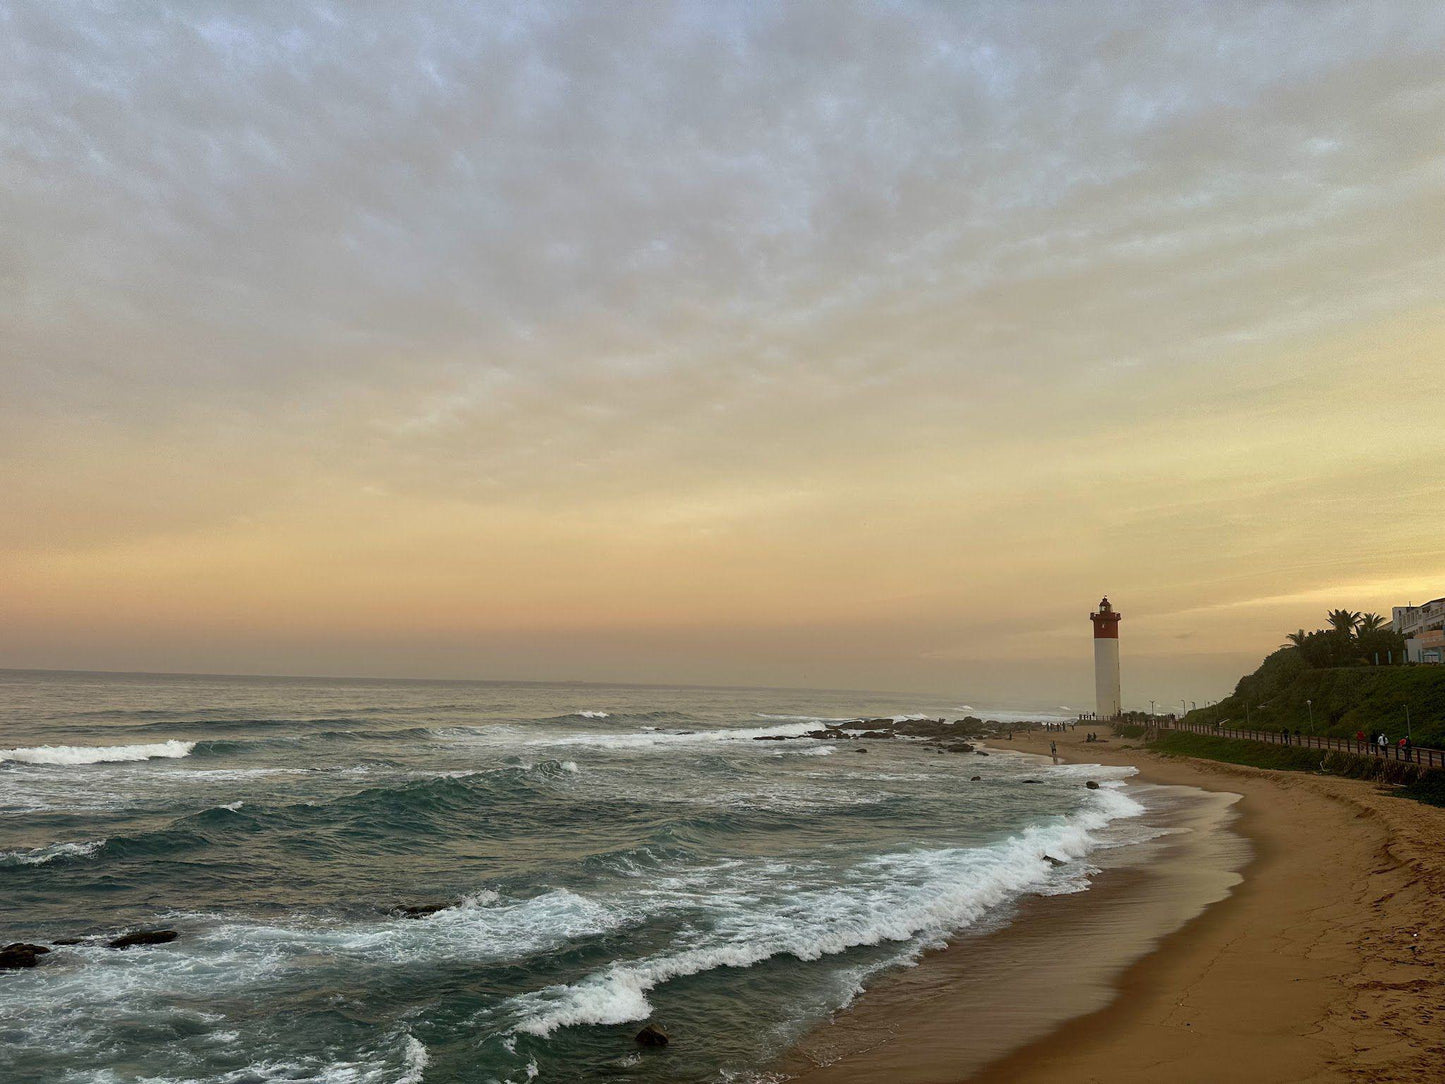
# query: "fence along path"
1415,754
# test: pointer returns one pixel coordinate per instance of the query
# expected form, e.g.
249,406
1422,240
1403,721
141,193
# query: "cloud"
729,268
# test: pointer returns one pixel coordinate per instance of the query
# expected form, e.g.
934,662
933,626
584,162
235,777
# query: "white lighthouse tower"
1106,660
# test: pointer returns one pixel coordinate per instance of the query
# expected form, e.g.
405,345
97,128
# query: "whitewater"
413,881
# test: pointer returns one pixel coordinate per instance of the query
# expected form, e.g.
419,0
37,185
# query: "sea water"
603,856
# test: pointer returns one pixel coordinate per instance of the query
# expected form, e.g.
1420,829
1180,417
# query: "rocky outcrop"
1092,785
652,1035
419,910
143,937
20,954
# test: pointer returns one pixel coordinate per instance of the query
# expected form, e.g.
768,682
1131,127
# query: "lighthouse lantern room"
1106,660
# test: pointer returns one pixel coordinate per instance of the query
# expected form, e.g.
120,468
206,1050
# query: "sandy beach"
1303,942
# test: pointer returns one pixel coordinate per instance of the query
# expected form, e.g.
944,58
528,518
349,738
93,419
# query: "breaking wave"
914,897
51,852
97,754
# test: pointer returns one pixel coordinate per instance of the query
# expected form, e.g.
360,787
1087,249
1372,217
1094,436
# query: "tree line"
1352,639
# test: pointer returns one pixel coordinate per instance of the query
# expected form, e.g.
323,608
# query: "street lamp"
1311,705
1407,723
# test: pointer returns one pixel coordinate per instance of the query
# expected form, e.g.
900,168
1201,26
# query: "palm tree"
1297,639
1343,620
1370,623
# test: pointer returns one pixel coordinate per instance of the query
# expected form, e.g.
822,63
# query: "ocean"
594,858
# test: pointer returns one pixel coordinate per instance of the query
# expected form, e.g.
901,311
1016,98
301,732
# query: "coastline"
1323,963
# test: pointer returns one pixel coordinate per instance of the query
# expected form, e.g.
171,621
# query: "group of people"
1380,741
1091,736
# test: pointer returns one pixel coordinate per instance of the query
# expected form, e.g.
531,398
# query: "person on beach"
1285,732
1054,750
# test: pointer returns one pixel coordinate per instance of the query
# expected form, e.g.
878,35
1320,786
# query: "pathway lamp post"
1311,705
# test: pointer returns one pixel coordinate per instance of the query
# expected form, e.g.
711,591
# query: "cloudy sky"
811,343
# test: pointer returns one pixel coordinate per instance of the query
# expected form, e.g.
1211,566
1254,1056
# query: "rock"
772,737
69,941
1056,862
975,778
860,750
1092,785
830,734
652,1035
1031,780
19,955
420,911
865,724
980,753
875,735
143,937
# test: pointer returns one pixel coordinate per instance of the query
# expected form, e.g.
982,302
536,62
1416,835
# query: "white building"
1423,628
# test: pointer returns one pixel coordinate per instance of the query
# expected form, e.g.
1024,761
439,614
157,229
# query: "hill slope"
1346,699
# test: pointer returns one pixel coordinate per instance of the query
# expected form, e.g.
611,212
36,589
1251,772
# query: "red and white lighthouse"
1106,660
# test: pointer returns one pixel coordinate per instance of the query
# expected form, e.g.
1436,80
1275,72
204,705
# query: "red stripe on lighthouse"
1106,621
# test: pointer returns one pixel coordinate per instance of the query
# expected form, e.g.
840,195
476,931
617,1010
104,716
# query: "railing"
1414,754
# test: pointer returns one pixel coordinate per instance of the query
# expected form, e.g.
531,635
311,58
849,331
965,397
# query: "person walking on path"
1054,750
1285,732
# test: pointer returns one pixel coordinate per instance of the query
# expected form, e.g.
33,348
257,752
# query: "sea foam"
915,897
50,853
96,754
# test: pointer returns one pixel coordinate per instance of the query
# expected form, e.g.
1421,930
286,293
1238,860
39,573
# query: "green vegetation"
1425,786
1352,639
1324,682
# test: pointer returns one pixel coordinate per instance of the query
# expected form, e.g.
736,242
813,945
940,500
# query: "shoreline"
1324,963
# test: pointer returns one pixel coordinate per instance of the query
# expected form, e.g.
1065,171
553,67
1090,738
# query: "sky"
820,344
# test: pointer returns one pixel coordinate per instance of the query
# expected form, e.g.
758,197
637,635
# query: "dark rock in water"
772,737
925,728
19,955
980,752
865,724
975,779
1031,780
421,910
1051,860
143,937
875,735
652,1035
860,750
69,941
1092,785
830,734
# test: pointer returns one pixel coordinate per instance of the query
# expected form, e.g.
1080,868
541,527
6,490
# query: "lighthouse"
1106,660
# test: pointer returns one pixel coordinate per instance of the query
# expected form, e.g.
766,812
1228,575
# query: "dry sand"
1326,963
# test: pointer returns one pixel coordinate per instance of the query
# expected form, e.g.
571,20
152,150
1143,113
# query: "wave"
916,898
97,754
645,738
51,852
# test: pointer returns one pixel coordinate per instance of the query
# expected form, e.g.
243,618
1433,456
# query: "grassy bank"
1284,692
1425,786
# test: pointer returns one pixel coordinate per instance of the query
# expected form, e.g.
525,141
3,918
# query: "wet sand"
1323,964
